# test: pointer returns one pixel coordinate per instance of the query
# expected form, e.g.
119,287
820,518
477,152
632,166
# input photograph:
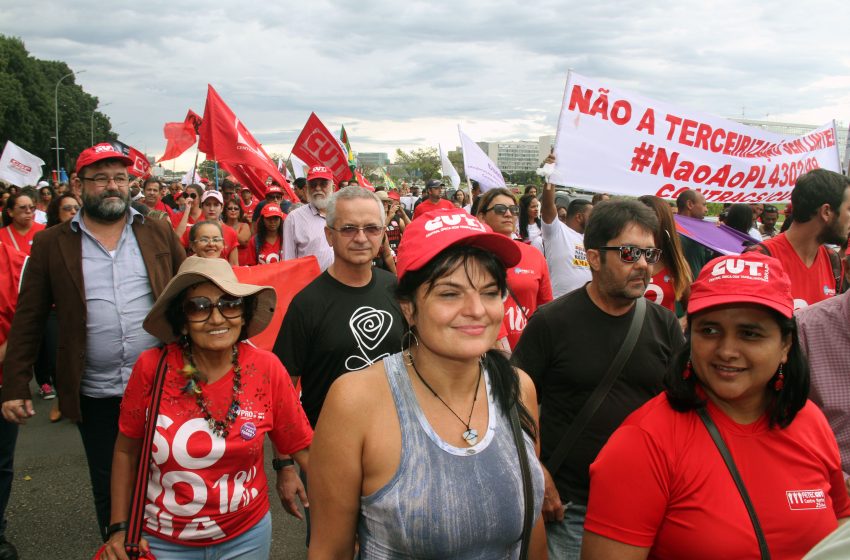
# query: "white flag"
478,166
449,169
187,178
18,166
298,166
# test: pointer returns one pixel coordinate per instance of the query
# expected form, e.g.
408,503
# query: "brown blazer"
54,276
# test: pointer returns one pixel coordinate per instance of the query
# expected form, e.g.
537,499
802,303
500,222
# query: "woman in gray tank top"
415,454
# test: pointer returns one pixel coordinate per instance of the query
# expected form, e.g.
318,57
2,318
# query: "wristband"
278,464
116,527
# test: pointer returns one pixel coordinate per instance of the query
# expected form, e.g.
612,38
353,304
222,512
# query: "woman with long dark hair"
428,467
234,216
530,222
662,487
671,276
266,246
740,217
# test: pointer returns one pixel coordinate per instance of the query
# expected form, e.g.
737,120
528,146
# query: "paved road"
51,512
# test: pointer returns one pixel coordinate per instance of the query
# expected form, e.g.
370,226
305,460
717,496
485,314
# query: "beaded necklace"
219,427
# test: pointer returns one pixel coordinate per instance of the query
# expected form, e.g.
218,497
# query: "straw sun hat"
196,270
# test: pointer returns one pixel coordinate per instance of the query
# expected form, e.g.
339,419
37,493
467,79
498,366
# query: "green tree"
421,163
27,115
456,159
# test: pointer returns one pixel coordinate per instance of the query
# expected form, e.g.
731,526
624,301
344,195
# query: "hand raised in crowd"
289,486
17,411
553,509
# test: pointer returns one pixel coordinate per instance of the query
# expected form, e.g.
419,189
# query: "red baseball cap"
394,195
746,278
272,211
320,172
273,189
99,152
427,236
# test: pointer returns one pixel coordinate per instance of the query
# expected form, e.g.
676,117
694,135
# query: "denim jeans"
564,537
253,544
8,437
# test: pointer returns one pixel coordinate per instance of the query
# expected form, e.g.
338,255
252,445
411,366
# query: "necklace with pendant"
220,428
470,435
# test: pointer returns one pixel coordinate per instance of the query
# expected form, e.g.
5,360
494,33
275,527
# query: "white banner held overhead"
611,140
478,166
299,168
18,166
449,169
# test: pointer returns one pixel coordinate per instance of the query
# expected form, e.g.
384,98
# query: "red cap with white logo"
320,172
427,236
747,278
99,152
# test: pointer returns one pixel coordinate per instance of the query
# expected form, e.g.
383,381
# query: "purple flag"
715,236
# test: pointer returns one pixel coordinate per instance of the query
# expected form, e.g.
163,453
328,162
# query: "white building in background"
796,129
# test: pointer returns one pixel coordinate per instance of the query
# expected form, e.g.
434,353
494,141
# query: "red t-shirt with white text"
269,252
809,285
661,290
529,282
202,488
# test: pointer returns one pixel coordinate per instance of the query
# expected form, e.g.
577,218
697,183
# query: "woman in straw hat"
428,466
662,487
207,487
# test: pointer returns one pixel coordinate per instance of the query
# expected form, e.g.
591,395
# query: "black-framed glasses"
192,196
631,254
199,309
502,209
352,231
103,180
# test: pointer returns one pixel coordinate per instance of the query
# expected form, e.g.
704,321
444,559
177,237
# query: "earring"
689,369
410,338
780,380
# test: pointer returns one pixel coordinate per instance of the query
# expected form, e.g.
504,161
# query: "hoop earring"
689,370
780,380
410,337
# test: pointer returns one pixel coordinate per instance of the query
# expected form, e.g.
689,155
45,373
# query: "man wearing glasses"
102,270
304,228
569,345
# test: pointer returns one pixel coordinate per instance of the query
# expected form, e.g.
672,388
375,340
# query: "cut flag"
140,167
317,146
224,138
478,166
449,169
180,135
18,166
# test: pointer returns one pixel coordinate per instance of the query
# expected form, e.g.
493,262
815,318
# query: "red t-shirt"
160,205
248,209
202,488
660,482
22,243
231,240
177,216
529,282
661,291
426,206
269,252
809,285
12,264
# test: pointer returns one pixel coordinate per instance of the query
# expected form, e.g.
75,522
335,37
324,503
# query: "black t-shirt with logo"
330,329
566,348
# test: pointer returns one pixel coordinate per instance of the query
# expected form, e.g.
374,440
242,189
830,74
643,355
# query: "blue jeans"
253,544
564,537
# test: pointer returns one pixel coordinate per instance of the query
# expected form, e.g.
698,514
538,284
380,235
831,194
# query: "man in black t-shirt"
569,344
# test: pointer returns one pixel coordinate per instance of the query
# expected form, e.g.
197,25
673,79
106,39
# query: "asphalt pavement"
51,511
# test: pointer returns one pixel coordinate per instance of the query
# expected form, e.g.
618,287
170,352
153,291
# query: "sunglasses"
502,209
631,254
352,231
25,208
69,207
192,195
199,309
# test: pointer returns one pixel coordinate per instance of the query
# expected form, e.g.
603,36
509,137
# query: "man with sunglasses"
569,345
102,270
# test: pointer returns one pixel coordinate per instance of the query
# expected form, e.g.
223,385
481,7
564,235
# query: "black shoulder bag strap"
518,304
595,400
736,476
528,497
137,506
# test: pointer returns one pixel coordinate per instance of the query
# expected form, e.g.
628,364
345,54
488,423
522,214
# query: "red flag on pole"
363,181
225,139
317,146
180,137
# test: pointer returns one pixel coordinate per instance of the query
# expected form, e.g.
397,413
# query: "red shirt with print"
809,284
202,488
22,243
269,252
661,290
529,283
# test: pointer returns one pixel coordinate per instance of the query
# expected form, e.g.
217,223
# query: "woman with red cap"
732,461
432,463
265,246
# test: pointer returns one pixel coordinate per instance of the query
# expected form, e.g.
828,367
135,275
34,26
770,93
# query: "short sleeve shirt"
529,284
566,257
809,284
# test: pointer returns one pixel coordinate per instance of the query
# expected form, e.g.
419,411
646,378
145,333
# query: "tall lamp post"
56,110
92,121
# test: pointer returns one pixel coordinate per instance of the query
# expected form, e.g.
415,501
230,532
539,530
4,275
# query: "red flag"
317,146
288,278
140,166
225,139
180,136
194,119
363,181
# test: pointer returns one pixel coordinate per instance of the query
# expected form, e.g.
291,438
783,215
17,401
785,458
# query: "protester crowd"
534,379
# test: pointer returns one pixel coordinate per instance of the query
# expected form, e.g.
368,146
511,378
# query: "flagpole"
195,167
215,162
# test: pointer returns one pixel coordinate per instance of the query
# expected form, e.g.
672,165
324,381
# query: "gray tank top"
445,501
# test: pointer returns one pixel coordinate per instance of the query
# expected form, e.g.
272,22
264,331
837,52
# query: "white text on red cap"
449,220
734,267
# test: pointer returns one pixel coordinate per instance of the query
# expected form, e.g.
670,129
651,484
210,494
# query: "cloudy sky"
404,74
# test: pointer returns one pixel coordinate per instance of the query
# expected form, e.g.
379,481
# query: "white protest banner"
449,169
18,166
611,140
478,166
299,168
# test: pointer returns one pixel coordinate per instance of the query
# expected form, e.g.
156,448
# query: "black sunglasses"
199,309
502,209
192,195
631,254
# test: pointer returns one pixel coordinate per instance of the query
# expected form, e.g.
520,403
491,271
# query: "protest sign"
18,166
611,140
478,166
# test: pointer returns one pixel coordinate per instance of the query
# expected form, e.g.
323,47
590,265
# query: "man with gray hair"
304,228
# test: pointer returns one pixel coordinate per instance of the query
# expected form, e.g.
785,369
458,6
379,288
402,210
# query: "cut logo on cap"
451,222
740,269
